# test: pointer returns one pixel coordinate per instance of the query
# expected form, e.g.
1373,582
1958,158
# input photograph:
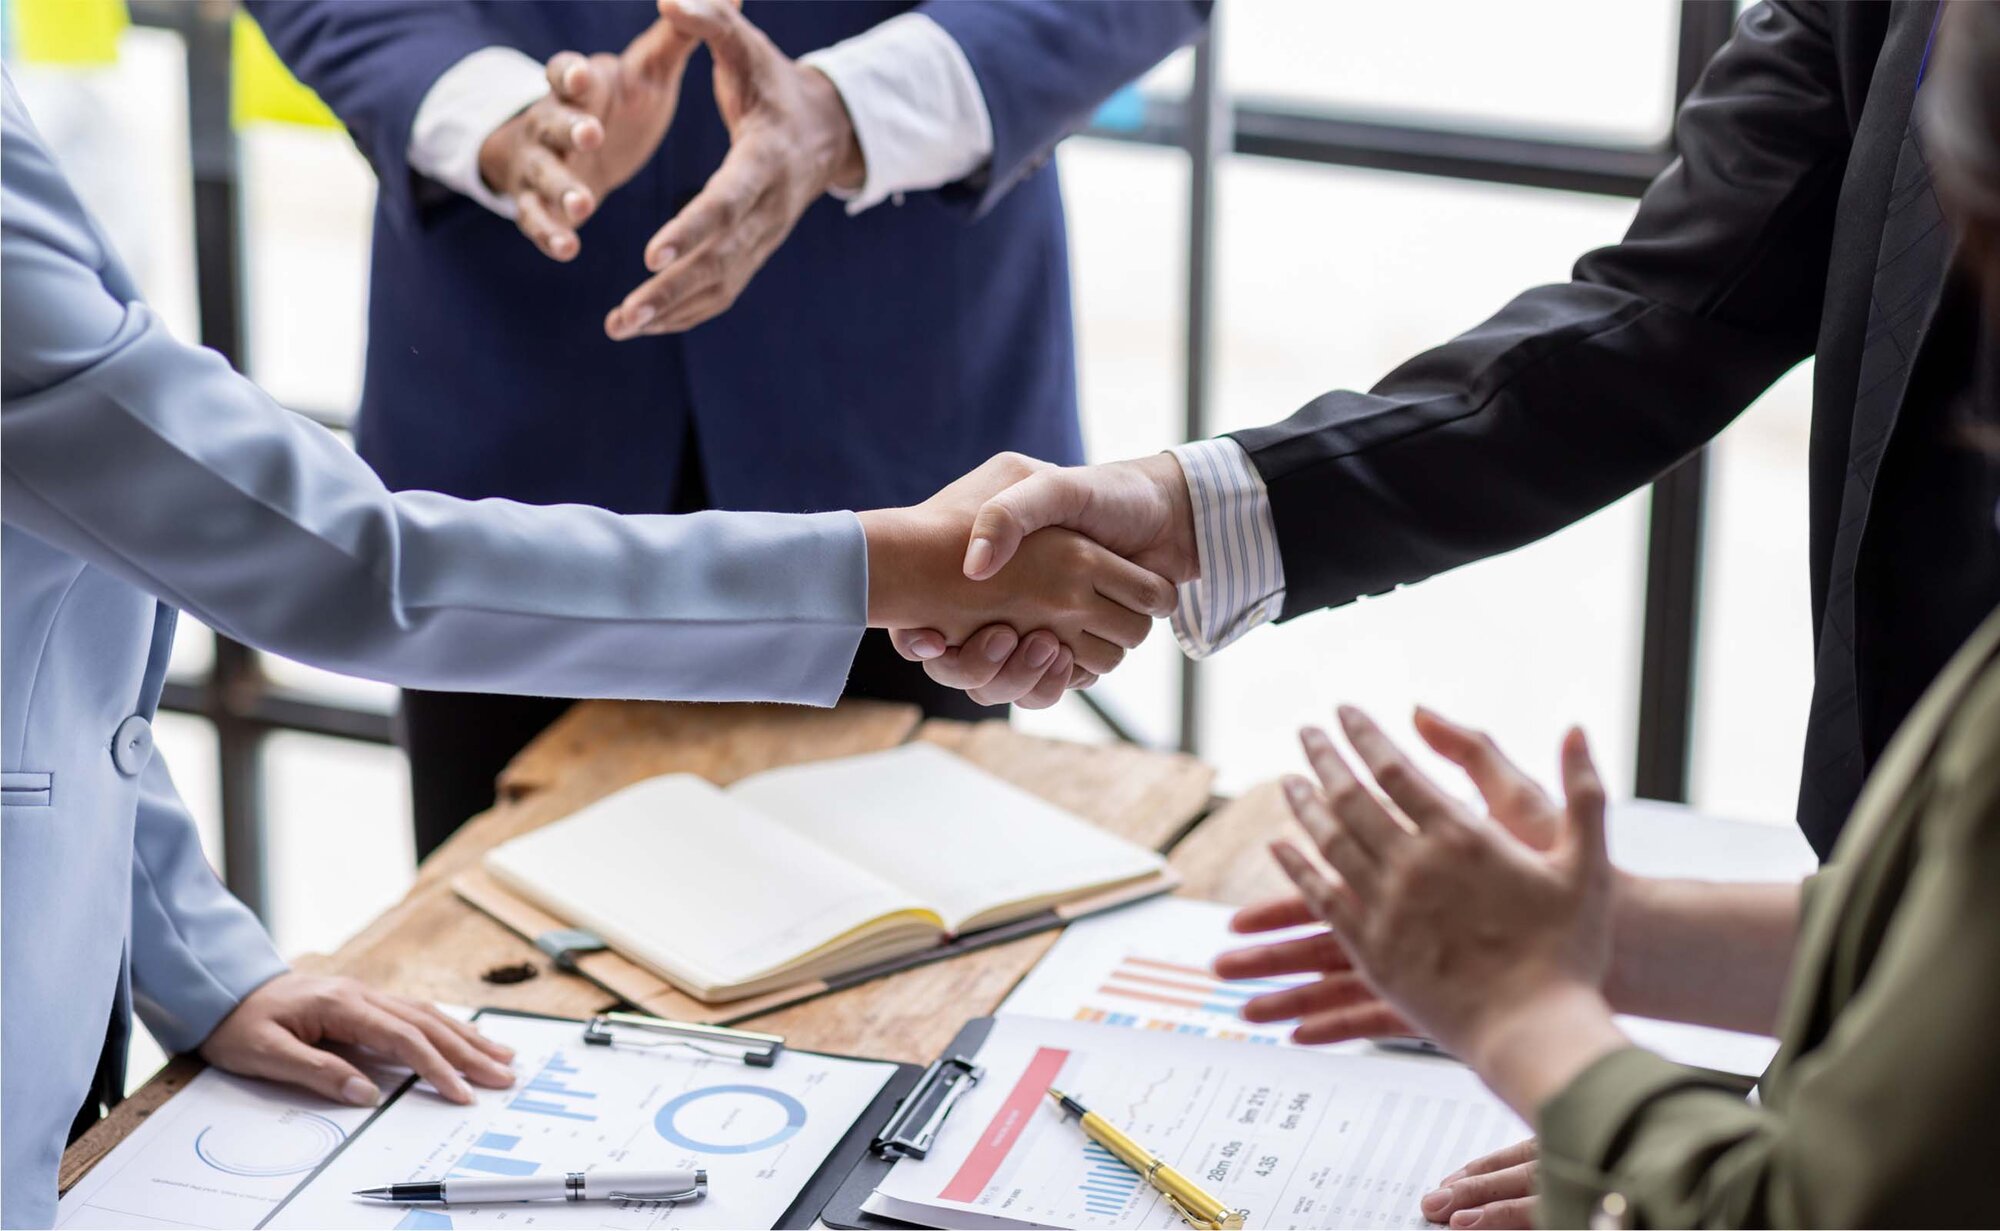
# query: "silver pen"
570,1186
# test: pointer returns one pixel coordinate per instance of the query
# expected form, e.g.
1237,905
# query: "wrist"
496,155
1633,906
1164,471
1530,1047
899,546
836,149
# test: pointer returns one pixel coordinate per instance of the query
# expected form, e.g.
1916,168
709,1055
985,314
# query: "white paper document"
1298,1138
221,1153
760,1133
1148,966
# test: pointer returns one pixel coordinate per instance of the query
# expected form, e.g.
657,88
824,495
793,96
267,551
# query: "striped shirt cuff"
1242,580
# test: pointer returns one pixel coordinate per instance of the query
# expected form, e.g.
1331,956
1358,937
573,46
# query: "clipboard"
849,1157
581,952
843,1209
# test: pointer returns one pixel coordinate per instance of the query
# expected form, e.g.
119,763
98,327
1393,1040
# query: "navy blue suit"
873,358
871,361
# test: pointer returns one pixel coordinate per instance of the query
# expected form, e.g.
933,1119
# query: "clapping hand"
601,121
790,140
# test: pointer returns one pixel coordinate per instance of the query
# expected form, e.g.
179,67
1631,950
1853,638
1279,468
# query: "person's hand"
1341,1005
790,140
1096,603
1461,927
277,1032
1497,1191
1139,509
601,121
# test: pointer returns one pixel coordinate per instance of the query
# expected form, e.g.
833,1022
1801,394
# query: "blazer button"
132,747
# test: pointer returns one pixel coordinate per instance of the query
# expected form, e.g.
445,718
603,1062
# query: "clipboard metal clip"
639,1030
913,1130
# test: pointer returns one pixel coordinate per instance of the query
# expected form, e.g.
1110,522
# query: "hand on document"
1061,611
276,1032
1139,509
601,121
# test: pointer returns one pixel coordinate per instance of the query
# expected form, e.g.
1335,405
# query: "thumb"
1049,498
1583,794
731,39
283,1056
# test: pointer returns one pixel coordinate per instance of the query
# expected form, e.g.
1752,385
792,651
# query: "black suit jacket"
1769,239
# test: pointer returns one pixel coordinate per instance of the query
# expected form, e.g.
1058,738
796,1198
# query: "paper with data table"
1298,1138
761,1134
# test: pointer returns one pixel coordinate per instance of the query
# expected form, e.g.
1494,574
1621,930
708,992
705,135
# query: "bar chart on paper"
1300,1139
761,1134
1147,968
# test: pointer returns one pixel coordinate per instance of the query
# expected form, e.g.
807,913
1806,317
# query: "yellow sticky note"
262,90
75,32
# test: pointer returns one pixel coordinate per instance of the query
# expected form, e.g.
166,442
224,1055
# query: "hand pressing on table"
790,139
279,1032
602,120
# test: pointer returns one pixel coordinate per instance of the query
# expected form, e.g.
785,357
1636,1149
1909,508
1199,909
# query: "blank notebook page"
961,839
679,875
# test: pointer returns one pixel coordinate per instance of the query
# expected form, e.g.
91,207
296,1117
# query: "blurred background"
1319,192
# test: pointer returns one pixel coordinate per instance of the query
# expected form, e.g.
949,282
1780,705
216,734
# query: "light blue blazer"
138,476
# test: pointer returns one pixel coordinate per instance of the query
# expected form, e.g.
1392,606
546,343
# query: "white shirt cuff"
915,104
473,97
1242,580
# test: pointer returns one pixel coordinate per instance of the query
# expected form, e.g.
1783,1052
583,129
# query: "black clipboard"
851,1156
843,1211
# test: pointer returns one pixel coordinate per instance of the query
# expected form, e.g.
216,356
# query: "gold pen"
1196,1207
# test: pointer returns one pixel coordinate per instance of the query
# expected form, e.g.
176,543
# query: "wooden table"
433,945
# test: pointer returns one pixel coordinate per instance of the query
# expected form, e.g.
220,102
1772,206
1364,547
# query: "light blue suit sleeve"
196,950
157,462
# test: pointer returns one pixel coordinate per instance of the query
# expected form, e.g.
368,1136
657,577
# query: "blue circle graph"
795,1119
295,1143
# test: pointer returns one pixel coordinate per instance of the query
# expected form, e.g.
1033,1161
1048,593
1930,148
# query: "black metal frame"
244,705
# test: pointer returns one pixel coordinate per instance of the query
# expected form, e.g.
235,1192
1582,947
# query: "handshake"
1022,579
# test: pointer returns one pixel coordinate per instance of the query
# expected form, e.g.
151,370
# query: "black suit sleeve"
1578,393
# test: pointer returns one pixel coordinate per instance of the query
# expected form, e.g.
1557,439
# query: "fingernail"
1465,1218
640,315
1041,652
926,648
1435,1203
575,203
457,1090
1348,713
660,259
977,556
1000,646
360,1092
695,8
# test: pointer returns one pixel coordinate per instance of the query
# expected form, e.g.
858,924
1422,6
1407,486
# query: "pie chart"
730,1119
286,1145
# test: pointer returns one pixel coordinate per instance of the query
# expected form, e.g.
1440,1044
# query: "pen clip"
1232,1220
754,1049
697,1192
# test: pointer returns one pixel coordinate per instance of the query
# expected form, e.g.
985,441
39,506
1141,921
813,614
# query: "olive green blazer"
1882,1107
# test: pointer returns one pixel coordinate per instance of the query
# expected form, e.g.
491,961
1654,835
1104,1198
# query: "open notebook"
815,870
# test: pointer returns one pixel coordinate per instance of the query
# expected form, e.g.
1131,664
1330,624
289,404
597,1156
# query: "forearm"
1696,951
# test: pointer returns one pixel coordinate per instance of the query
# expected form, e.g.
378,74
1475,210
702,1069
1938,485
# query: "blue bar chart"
545,1093
1107,1184
492,1154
